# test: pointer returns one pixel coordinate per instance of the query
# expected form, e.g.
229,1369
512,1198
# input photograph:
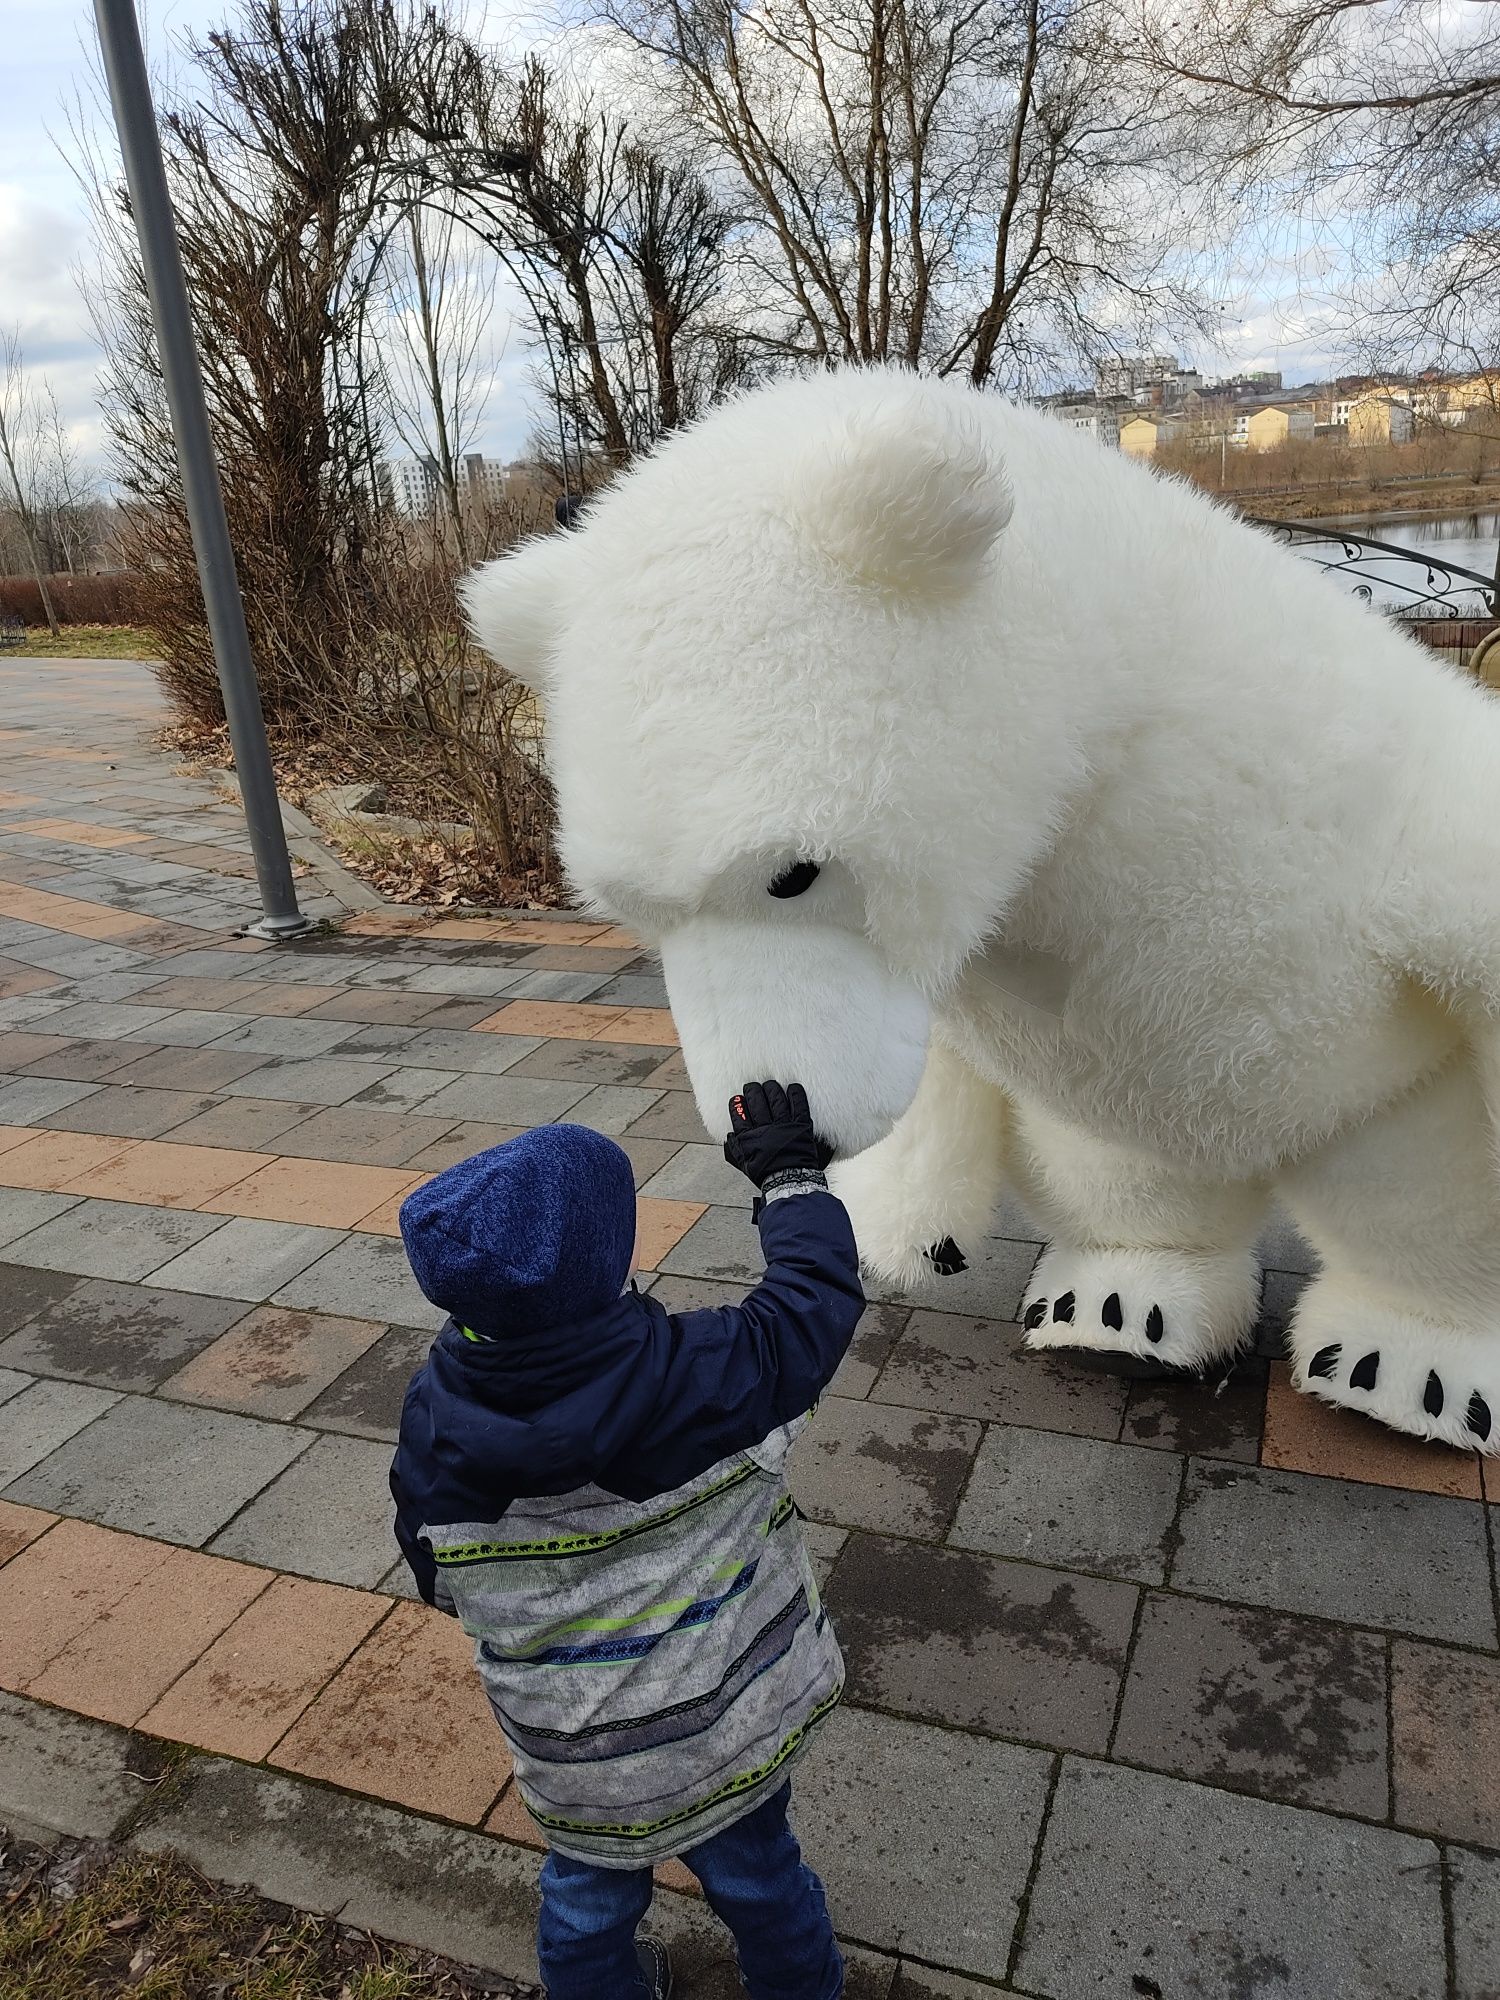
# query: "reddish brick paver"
1304,1435
20,1526
59,1586
241,1696
156,1172
274,1362
127,1658
321,1192
406,1720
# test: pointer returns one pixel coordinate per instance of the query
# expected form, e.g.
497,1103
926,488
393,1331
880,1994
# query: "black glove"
772,1133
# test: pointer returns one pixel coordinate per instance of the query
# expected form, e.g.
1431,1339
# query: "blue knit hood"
526,1236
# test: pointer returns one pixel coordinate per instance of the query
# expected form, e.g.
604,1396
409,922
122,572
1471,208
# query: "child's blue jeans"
754,1880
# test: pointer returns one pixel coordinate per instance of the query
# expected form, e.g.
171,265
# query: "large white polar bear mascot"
1060,833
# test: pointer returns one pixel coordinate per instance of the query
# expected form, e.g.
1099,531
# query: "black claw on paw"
1364,1371
1111,1314
1036,1312
947,1259
1155,1327
1432,1396
1062,1311
1325,1360
1478,1416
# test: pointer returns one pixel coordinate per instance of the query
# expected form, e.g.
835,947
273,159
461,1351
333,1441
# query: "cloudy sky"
1278,315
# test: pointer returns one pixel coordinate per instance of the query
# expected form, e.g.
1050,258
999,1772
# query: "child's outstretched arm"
735,1374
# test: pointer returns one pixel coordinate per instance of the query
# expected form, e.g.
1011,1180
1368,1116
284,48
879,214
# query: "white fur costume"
1182,868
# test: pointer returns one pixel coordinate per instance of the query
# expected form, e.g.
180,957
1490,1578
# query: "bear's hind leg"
1403,1321
1150,1268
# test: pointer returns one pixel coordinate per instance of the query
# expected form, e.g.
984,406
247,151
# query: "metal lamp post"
161,260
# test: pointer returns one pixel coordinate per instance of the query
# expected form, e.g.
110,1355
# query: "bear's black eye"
796,880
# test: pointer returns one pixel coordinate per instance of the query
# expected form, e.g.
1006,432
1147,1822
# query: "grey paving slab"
247,1259
565,986
1475,1880
923,1837
977,1643
1445,1728
403,1089
1210,1419
701,1173
634,989
611,1108
991,1288
24,1292
319,1080
117,1335
723,1245
1369,1555
329,1515
111,1239
505,1100
105,1021
443,1888
23,1209
1149,1885
461,1142
286,1035
626,1063
370,1039
26,1100
90,1062
129,1111
893,1471
30,1007
35,1423
171,1470
363,1135
978,1368
399,1582
75,958
472,1055
192,1027
478,982
62,1773
1259,1702
366,1399
364,1277
193,1069
675,1117
1077,1502
111,986
246,1124
12,1382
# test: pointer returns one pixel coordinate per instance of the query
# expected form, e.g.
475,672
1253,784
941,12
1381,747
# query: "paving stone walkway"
1153,1692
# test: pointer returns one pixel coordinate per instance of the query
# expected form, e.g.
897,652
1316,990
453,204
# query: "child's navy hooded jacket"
596,1487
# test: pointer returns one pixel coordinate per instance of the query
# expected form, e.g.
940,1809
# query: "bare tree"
19,439
963,185
1388,110
437,358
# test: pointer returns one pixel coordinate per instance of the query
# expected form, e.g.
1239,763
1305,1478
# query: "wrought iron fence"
1412,586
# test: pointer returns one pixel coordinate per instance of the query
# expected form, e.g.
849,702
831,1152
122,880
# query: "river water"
1466,539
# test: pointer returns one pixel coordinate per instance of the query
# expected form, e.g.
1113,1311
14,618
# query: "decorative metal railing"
1404,582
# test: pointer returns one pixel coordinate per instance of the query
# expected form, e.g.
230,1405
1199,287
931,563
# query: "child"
596,1487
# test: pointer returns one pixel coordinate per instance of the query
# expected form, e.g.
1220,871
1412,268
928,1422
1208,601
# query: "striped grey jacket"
657,1669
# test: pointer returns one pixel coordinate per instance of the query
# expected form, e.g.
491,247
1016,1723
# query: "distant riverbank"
1425,500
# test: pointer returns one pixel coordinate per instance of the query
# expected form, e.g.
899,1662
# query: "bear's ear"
907,496
515,606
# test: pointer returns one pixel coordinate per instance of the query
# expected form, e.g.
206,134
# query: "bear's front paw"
1141,1312
947,1259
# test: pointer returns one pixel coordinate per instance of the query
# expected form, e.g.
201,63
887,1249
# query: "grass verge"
83,642
93,1923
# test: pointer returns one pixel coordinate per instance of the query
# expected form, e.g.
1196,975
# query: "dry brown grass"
99,1924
